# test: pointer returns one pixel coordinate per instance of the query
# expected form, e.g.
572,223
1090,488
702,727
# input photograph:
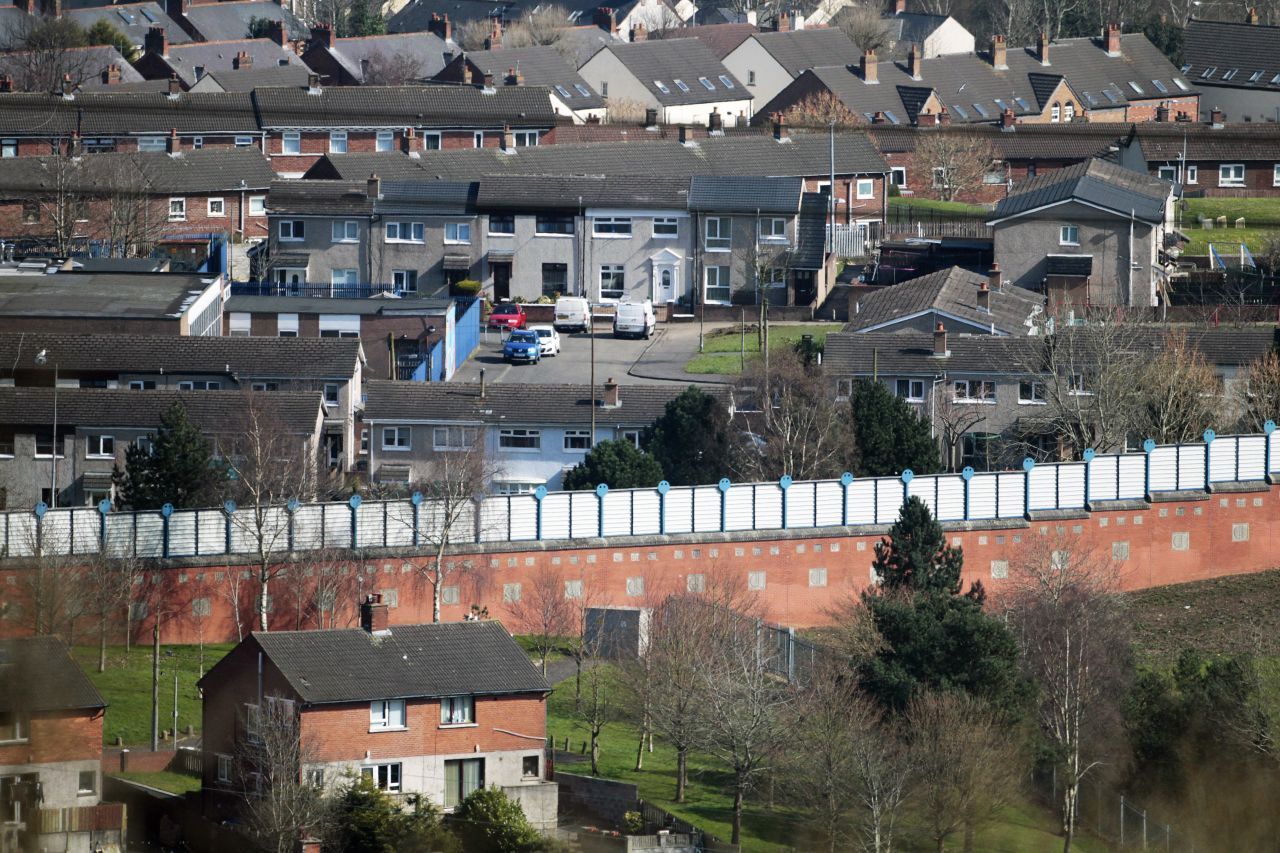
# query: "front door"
664,284
501,280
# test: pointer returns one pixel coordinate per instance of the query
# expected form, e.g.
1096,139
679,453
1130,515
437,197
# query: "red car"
507,315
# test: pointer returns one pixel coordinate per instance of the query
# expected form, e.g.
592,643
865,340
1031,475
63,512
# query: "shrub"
466,287
489,822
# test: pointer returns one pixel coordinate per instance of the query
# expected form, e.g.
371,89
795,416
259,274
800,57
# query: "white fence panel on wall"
337,525
1222,459
1104,478
149,535
585,507
86,531
370,524
119,536
184,526
1252,451
679,511
1191,467
523,519
706,509
950,498
494,517
924,489
800,505
1162,463
768,506
1011,500
307,528
1071,485
888,500
830,497
982,495
1043,487
739,511
399,524
1273,442
211,529
617,513
1133,472
648,518
557,514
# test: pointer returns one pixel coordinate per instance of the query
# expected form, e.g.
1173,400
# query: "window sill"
345,242
291,239
376,729
611,236
544,234
86,793
718,249
459,725
396,449
1069,245
666,236
1033,402
457,242
177,219
521,449
500,234
974,402
12,742
100,456
406,242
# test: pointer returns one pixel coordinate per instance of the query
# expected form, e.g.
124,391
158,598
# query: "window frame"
540,222
177,208
724,279
221,203
339,141
417,232
295,235
504,219
257,205
291,142
376,773
21,728
910,383
508,435
981,385
1069,235
99,439
672,222
577,440
384,140
453,707
870,185
382,715
350,231
769,231
458,238
405,281
1231,181
466,438
722,240
616,274
1192,173
1275,175
611,227
1027,393
224,767
400,432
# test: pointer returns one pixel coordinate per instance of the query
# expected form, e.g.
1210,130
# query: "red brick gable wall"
74,735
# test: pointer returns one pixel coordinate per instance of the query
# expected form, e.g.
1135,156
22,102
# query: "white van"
634,319
572,313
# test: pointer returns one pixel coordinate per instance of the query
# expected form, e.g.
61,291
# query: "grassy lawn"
126,685
1024,828
174,783
722,353
939,206
1261,217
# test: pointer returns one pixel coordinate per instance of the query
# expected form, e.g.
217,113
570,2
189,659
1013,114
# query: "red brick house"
1209,158
437,710
51,752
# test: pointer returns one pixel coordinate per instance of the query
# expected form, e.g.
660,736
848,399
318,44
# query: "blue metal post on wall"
354,502
1209,436
601,491
228,510
784,483
1088,455
416,500
40,509
663,488
1148,447
846,480
165,512
104,507
724,485
1027,465
907,476
538,495
967,476
291,507
1267,428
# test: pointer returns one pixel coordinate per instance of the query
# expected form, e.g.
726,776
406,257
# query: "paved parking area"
614,358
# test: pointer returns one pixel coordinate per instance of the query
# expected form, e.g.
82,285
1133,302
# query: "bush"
633,823
466,287
489,822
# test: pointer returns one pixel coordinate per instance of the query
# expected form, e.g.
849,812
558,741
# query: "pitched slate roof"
586,191
907,28
804,154
721,39
952,291
970,86
388,306
131,19
911,353
1094,182
38,674
798,50
686,60
126,114
248,79
415,16
716,194
230,20
1236,48
811,232
542,65
1021,142
255,356
85,65
524,403
1160,142
319,197
297,412
445,659
206,170
404,106
421,54
184,59
578,44
433,198
99,295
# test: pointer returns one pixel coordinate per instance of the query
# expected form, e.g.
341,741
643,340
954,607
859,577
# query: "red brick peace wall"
799,575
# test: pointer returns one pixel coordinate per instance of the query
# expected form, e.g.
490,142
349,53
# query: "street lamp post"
41,358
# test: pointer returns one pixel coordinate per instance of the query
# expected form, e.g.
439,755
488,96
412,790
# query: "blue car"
522,346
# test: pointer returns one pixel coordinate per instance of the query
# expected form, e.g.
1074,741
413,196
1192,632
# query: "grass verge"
938,205
174,783
1261,218
722,349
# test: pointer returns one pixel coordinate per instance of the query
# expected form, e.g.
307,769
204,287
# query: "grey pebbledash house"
963,301
1107,228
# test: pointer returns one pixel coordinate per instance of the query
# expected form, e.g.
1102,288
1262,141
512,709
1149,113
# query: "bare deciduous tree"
954,420
957,160
821,110
543,613
1179,393
109,581
46,52
623,111
968,766
395,69
864,26
1258,393
270,465
1067,617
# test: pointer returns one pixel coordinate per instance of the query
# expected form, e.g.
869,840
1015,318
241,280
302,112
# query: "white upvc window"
1031,392
385,776
346,231
405,281
217,207
1275,175
1055,113
718,234
244,141
611,226
287,325
431,141
457,710
773,229
577,440
257,205
666,227
397,438
910,389
1231,175
152,144
9,148
405,232
292,230
177,209
457,232
1069,112
866,188
386,714
526,138
717,284
291,142
898,176
385,140
1069,235
520,439
1167,173
477,139
974,391
612,281
240,323
102,446
453,438
337,142
224,768
1193,173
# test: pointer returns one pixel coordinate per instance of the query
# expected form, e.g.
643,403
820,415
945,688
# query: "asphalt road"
614,358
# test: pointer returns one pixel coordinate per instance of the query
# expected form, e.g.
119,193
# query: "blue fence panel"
466,329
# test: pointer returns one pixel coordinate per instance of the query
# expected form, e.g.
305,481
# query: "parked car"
573,313
549,338
634,319
507,315
523,345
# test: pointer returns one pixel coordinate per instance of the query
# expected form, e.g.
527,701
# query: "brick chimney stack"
68,89
6,83
915,62
870,71
243,60
155,41
374,616
639,33
493,41
606,18
275,32
322,36
612,397
1006,119
1251,17
172,144
1113,40
940,342
175,86
1217,119
984,298
999,53
995,278
508,138
373,187
1042,52
944,118
784,22
440,27
407,139
515,77
111,75
1162,112
715,123
879,117
781,132
899,6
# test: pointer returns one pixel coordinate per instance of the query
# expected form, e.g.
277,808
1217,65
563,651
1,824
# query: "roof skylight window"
707,84
662,87
681,85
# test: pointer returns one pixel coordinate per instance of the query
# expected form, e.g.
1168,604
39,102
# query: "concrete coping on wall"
1178,496
1057,514
1241,486
1125,505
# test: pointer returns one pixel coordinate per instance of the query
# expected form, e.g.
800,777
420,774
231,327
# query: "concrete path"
665,357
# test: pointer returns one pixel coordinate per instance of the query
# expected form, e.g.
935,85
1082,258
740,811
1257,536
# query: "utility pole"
155,683
175,708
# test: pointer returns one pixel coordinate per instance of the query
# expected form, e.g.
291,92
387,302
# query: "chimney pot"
780,130
944,117
155,41
999,53
313,82
1251,17
1162,112
715,122
374,617
940,342
1006,118
639,33
173,145
984,298
494,40
175,86
899,6
784,22
6,83
870,73
322,36
995,278
879,117
1216,117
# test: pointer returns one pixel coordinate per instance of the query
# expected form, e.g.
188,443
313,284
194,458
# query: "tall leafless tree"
957,161
954,420
1257,393
865,26
109,581
543,613
821,110
1179,393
